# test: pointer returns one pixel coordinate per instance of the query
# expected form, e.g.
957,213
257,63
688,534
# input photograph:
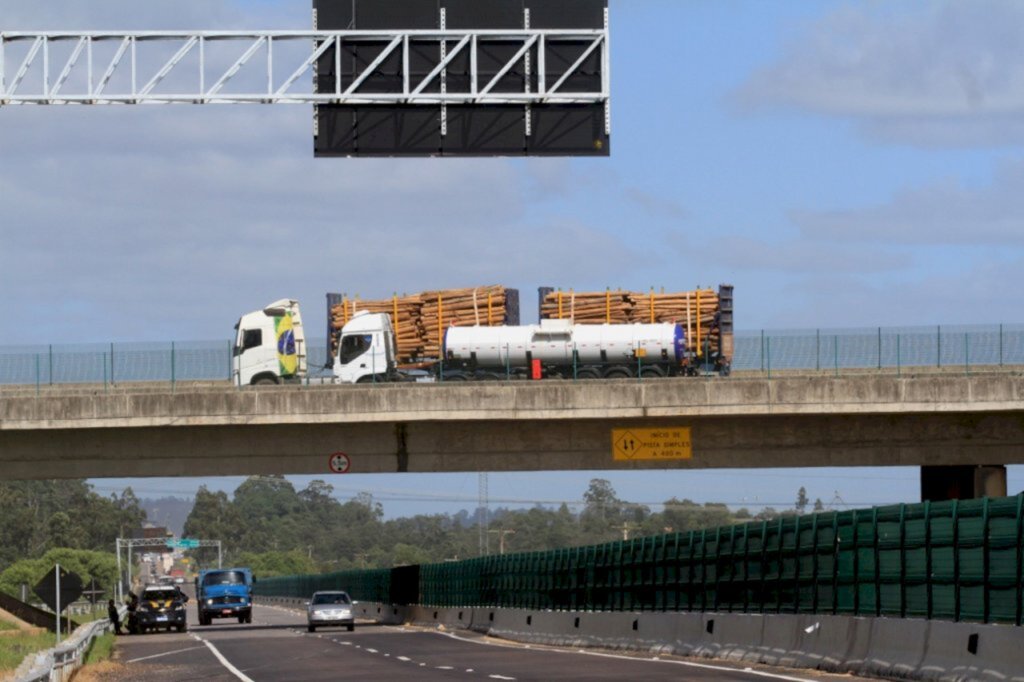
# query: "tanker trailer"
559,348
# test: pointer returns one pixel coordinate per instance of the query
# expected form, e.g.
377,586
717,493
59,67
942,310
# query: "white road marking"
223,661
706,666
404,658
372,651
445,667
500,677
166,653
687,664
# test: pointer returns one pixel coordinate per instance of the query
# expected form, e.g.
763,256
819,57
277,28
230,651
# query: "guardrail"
60,663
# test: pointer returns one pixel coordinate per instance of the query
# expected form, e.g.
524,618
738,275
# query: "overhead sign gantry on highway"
397,78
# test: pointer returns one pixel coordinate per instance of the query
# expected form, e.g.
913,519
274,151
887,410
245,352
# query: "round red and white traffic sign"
339,463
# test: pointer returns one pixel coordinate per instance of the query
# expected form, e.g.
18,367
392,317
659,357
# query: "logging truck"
474,335
365,347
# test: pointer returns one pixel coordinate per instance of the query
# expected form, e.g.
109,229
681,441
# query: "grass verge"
101,650
14,649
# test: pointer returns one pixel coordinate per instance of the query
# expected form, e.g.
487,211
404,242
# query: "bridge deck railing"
764,352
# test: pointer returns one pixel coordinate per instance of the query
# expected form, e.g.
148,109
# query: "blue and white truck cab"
225,593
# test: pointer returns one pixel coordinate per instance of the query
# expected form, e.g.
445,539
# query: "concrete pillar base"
940,483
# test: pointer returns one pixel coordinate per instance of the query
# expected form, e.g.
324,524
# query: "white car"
330,608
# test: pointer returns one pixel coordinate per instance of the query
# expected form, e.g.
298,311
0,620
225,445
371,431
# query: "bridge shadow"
297,625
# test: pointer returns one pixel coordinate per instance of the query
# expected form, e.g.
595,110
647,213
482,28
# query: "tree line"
278,530
66,522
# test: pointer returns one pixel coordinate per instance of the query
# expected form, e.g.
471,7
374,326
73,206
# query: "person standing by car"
133,620
115,617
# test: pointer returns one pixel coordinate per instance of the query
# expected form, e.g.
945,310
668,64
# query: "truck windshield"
224,578
354,345
160,595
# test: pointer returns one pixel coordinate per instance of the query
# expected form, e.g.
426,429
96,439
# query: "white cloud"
947,73
806,256
656,205
945,212
130,220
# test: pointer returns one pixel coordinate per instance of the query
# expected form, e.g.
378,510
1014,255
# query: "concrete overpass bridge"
961,430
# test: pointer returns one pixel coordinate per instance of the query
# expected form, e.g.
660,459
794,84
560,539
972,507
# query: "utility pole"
482,513
501,537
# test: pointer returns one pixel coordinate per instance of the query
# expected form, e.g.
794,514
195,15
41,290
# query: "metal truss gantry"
131,544
50,67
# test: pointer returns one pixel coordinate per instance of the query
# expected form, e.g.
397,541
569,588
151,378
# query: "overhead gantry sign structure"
436,90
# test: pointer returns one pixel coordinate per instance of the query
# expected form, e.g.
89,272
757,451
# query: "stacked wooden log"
420,319
481,306
695,310
405,318
613,307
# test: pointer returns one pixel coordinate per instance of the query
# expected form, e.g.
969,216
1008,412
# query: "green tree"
40,515
801,501
87,564
270,564
602,514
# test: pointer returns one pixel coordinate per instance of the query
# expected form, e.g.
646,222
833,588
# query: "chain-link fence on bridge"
959,348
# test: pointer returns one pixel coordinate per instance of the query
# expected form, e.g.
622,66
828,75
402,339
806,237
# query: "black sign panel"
70,588
461,129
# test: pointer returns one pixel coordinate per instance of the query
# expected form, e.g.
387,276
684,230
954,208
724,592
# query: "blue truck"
224,593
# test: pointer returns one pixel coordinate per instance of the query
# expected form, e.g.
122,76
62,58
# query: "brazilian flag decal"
287,358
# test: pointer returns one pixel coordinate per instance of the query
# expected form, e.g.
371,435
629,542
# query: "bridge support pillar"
962,482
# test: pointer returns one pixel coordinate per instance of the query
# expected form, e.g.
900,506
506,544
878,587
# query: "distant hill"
167,511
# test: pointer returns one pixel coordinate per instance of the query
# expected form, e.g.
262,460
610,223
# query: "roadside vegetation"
275,529
102,649
15,647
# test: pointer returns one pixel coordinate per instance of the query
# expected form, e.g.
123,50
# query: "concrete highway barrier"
935,651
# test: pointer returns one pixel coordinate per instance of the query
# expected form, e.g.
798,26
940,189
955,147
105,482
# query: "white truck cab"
366,349
270,345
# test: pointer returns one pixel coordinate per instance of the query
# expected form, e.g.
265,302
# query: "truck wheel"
248,619
588,373
183,628
265,381
241,619
351,628
311,628
618,373
651,372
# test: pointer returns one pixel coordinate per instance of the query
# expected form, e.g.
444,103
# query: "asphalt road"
277,647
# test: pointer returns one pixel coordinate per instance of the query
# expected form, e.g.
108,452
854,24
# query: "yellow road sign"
646,444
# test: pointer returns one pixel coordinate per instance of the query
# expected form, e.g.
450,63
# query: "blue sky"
843,164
